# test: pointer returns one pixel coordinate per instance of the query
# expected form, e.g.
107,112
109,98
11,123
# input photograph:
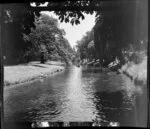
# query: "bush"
137,57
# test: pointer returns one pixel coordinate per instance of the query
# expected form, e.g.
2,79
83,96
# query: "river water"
78,94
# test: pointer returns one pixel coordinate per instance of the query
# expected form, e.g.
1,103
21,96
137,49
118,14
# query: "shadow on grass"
38,66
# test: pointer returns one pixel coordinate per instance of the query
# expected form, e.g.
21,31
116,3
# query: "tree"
17,21
121,21
91,50
86,46
118,24
116,30
48,40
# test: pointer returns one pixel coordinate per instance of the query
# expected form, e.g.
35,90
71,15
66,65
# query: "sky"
75,32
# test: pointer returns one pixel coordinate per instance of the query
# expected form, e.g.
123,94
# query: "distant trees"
48,41
86,46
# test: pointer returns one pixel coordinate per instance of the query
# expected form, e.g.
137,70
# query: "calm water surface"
78,94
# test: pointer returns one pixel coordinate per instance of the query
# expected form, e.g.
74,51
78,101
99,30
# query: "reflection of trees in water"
111,108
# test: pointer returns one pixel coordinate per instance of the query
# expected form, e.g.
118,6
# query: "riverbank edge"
41,75
136,78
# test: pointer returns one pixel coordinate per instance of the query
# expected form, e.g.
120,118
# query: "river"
78,94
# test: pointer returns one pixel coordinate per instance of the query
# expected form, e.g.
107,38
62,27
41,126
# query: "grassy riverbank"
27,72
137,72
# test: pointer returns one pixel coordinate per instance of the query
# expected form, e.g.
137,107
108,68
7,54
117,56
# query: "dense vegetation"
120,34
28,36
114,32
47,38
17,20
86,47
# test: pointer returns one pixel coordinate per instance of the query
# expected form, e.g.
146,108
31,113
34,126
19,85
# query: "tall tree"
86,46
47,38
18,20
114,31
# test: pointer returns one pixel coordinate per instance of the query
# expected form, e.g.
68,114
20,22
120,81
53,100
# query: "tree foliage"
115,31
49,39
118,24
86,46
75,13
17,21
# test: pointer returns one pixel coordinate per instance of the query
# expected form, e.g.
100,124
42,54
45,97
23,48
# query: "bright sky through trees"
75,32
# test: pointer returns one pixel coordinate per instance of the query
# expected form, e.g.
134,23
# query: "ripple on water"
78,96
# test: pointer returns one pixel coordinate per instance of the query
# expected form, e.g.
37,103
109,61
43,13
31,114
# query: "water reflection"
78,94
108,110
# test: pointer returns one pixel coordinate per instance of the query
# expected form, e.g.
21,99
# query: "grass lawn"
27,72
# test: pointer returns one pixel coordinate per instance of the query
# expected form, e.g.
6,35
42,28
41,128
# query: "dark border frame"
52,9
